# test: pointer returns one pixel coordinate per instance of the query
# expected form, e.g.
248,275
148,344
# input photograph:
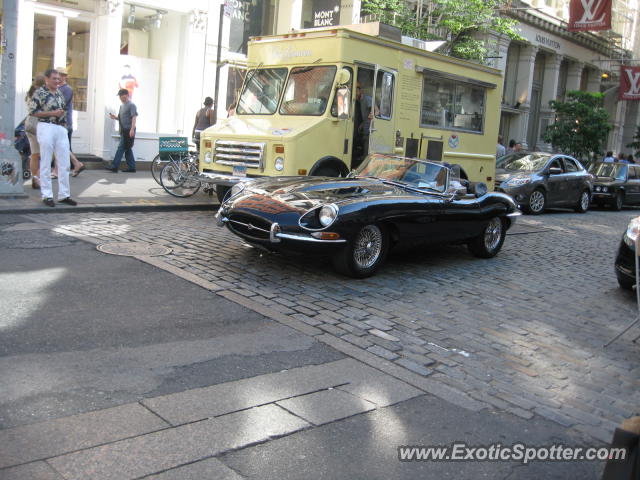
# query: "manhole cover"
133,249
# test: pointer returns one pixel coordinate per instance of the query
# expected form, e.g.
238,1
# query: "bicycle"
167,149
179,175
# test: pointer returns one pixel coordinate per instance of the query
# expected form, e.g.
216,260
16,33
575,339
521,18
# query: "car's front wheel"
537,202
583,202
624,281
618,201
489,242
363,256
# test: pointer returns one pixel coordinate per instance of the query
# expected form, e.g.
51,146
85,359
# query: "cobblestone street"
521,333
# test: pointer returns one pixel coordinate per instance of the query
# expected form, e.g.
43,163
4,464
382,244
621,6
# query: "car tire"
618,201
537,202
364,255
625,282
583,202
489,242
221,192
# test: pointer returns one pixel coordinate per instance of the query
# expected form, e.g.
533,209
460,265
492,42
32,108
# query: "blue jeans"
124,147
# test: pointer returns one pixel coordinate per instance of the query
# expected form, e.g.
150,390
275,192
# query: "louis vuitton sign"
589,15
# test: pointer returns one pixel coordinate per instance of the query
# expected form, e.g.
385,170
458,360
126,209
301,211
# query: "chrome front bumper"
275,235
513,217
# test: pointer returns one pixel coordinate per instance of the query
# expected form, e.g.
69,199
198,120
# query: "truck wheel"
489,242
363,256
327,172
221,192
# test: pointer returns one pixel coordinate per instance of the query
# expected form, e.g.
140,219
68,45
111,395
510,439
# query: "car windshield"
308,90
524,162
262,91
612,170
410,171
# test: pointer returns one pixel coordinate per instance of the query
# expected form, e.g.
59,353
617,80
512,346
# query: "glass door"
63,40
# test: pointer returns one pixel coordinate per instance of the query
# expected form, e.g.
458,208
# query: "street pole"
10,162
218,55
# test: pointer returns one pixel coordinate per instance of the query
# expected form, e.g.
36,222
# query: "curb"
110,208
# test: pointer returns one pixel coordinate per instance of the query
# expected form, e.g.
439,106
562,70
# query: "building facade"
168,54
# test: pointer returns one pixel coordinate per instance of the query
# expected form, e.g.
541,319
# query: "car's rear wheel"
583,202
537,202
489,242
618,201
363,256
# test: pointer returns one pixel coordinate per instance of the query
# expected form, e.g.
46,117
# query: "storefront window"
78,37
44,38
250,18
308,90
452,104
262,91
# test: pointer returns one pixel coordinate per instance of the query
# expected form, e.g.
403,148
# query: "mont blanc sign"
326,13
629,83
589,15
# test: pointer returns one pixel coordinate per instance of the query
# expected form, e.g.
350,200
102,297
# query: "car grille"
245,154
249,226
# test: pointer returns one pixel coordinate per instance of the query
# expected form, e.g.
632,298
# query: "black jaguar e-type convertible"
388,201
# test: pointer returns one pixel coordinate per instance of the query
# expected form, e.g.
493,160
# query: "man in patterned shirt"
48,105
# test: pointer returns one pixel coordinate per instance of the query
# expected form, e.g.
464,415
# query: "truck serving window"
452,104
308,90
262,91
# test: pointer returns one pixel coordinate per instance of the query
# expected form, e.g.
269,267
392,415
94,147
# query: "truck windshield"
262,91
308,90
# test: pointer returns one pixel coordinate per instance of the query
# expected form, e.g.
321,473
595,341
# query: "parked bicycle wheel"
156,168
180,179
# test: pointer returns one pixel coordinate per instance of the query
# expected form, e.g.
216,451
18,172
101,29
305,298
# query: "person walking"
47,104
500,149
67,93
204,119
127,118
34,158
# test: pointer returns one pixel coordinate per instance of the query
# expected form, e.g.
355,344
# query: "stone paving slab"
31,471
211,468
522,332
159,451
54,437
202,403
326,406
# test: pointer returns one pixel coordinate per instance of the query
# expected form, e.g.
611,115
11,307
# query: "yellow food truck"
315,102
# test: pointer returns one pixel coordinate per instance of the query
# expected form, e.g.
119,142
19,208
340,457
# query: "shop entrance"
63,39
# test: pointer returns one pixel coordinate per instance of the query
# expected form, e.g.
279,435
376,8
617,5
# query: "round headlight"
597,188
328,214
207,157
605,189
237,188
279,164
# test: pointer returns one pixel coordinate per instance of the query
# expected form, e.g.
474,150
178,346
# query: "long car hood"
300,194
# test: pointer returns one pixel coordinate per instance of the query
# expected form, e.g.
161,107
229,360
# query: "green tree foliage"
457,21
582,124
636,144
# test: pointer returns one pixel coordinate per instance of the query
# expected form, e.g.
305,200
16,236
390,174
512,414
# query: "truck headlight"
279,164
328,214
207,157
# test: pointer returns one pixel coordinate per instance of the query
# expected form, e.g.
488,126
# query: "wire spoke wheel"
156,167
493,234
180,179
367,247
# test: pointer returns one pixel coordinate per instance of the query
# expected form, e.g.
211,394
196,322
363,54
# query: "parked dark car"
389,201
540,180
625,259
615,184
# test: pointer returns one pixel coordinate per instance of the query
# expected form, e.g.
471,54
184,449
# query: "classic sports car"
388,201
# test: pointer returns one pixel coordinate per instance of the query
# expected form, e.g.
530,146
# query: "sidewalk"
100,190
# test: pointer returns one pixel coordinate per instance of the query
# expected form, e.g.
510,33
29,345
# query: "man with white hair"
48,105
